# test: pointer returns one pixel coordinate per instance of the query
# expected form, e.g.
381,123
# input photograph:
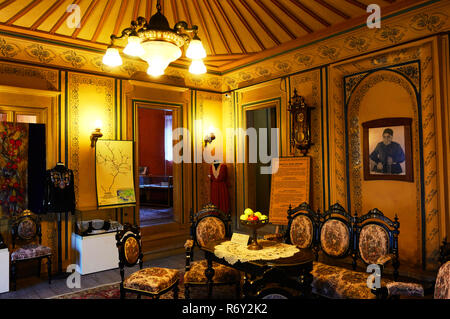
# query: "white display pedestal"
96,252
4,270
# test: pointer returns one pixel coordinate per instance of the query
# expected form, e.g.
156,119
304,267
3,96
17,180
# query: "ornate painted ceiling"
234,32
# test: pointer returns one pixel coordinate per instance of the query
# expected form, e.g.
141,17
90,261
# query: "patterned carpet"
112,291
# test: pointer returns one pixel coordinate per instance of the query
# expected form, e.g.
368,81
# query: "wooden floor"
38,288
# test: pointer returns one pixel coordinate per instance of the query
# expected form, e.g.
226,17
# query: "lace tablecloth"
233,252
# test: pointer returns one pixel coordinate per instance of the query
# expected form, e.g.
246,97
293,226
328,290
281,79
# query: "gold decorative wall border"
73,105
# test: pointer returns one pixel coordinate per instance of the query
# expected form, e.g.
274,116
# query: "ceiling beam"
203,25
333,9
260,22
293,17
22,12
245,23
311,13
120,17
216,24
358,4
62,19
85,17
137,4
5,3
101,23
49,11
274,18
175,11
186,13
148,10
230,26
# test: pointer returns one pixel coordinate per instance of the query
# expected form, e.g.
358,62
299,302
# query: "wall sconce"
209,138
97,133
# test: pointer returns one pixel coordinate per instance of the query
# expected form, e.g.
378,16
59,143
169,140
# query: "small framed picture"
387,149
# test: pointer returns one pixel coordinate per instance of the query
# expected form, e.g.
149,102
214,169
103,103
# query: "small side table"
4,270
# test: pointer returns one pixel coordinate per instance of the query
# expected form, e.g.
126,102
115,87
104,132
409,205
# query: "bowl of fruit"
253,221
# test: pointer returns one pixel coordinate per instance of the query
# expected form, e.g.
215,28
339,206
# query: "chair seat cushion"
30,251
222,273
152,280
341,283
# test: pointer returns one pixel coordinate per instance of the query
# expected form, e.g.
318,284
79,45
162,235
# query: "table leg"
209,273
305,279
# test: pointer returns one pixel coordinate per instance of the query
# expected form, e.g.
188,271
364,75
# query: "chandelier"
159,45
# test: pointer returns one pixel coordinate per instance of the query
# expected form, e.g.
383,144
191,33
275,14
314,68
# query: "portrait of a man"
388,155
387,149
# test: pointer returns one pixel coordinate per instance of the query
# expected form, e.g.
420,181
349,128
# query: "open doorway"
155,166
258,185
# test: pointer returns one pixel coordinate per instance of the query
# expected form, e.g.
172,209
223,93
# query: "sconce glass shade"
197,67
159,54
134,47
195,50
112,57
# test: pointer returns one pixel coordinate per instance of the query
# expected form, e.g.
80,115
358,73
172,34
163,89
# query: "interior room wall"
385,85
152,142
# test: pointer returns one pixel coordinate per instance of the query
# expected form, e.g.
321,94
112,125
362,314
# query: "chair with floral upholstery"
336,240
398,289
303,228
207,225
377,238
26,230
153,281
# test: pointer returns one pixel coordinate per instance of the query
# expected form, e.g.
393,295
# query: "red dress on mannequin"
219,190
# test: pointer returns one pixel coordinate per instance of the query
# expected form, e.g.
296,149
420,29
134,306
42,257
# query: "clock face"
299,136
300,117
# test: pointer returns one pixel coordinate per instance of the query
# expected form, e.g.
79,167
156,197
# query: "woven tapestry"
22,168
13,164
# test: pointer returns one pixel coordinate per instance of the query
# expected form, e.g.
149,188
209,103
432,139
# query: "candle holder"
254,225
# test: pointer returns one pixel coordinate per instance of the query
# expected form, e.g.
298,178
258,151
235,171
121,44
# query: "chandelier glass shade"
159,45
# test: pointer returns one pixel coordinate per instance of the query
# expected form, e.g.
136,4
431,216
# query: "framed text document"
114,173
290,186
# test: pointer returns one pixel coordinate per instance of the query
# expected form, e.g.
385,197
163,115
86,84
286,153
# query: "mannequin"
59,190
219,189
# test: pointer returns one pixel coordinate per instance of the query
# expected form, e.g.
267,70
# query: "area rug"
112,291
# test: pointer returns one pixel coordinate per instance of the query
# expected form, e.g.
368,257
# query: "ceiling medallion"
159,45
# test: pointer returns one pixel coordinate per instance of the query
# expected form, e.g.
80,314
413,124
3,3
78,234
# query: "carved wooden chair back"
25,228
129,244
336,232
303,227
210,224
377,237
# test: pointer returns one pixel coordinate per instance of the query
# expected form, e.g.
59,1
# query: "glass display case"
91,221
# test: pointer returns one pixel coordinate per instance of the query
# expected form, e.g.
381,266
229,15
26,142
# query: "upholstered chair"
208,225
377,238
26,232
442,285
152,282
303,227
